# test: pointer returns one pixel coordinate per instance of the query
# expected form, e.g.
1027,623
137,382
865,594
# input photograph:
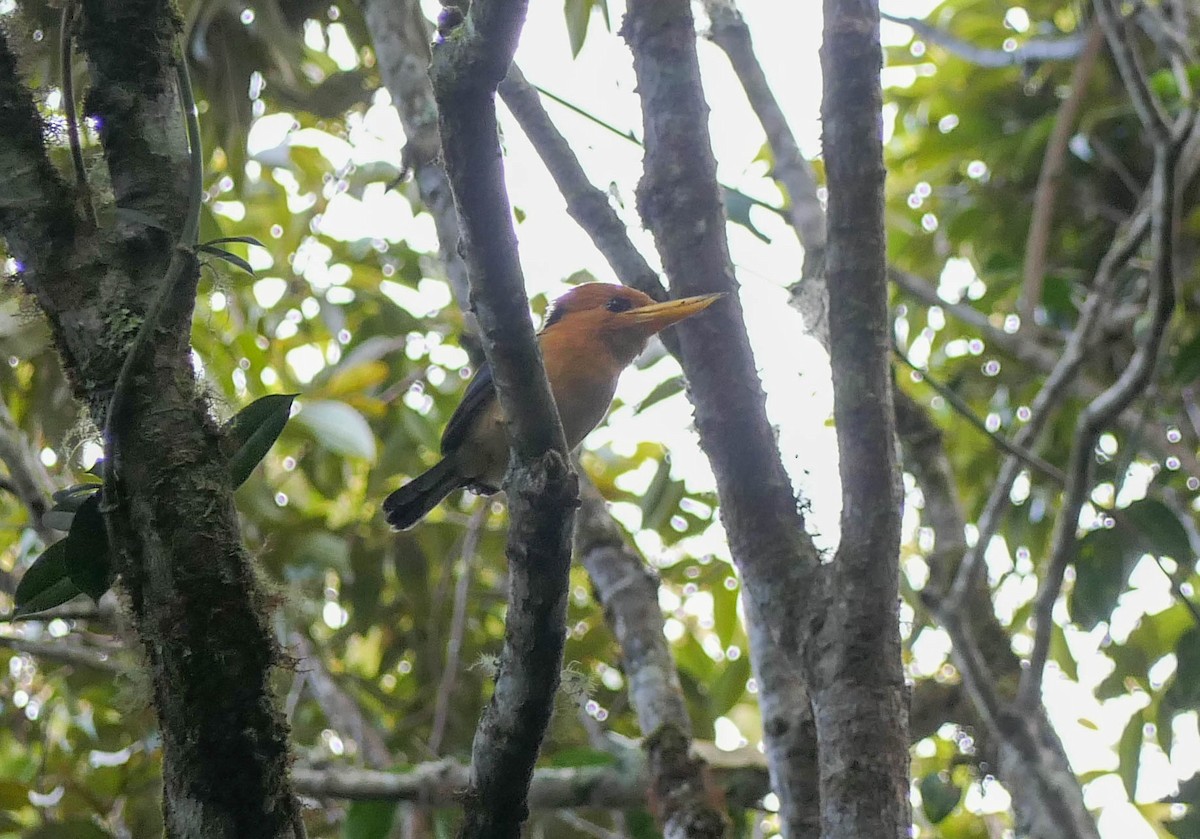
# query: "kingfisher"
592,333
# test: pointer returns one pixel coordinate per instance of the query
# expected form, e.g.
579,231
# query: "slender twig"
790,170
1034,50
1050,179
1124,52
588,205
458,626
632,138
66,652
576,109
1053,390
1132,382
964,410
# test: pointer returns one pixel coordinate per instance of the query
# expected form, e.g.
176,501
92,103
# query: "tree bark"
468,64
195,603
859,697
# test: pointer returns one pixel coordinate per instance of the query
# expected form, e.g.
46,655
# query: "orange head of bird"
622,318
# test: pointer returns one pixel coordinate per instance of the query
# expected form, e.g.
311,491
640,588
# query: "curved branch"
1036,49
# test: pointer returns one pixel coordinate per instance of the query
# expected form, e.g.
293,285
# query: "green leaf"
339,428
231,258
737,209
1159,530
661,391
1129,752
730,686
1101,566
252,432
245,240
87,555
46,584
725,617
369,819
939,796
579,15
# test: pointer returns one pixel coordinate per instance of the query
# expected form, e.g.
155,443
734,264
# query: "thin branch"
628,590
441,784
1133,381
964,410
458,626
1033,50
400,35
340,708
1044,359
66,652
1055,387
468,65
1124,52
588,115
1024,749
1050,178
730,32
587,204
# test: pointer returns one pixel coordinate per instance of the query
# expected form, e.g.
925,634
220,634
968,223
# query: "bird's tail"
409,504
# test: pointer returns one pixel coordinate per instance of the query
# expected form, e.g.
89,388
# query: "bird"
590,335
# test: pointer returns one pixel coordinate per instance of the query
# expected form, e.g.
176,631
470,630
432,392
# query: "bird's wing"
479,393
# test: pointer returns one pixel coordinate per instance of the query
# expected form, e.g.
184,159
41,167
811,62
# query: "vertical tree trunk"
859,697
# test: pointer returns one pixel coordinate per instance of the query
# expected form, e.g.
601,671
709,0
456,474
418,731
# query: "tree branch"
1033,50
628,590
340,708
458,626
400,35
1043,359
440,784
1023,747
681,206
66,652
729,32
1050,178
587,204
1137,376
468,65
1125,244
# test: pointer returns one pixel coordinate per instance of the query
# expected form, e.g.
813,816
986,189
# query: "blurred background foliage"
365,329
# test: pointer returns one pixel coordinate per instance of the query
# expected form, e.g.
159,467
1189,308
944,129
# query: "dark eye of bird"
619,304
